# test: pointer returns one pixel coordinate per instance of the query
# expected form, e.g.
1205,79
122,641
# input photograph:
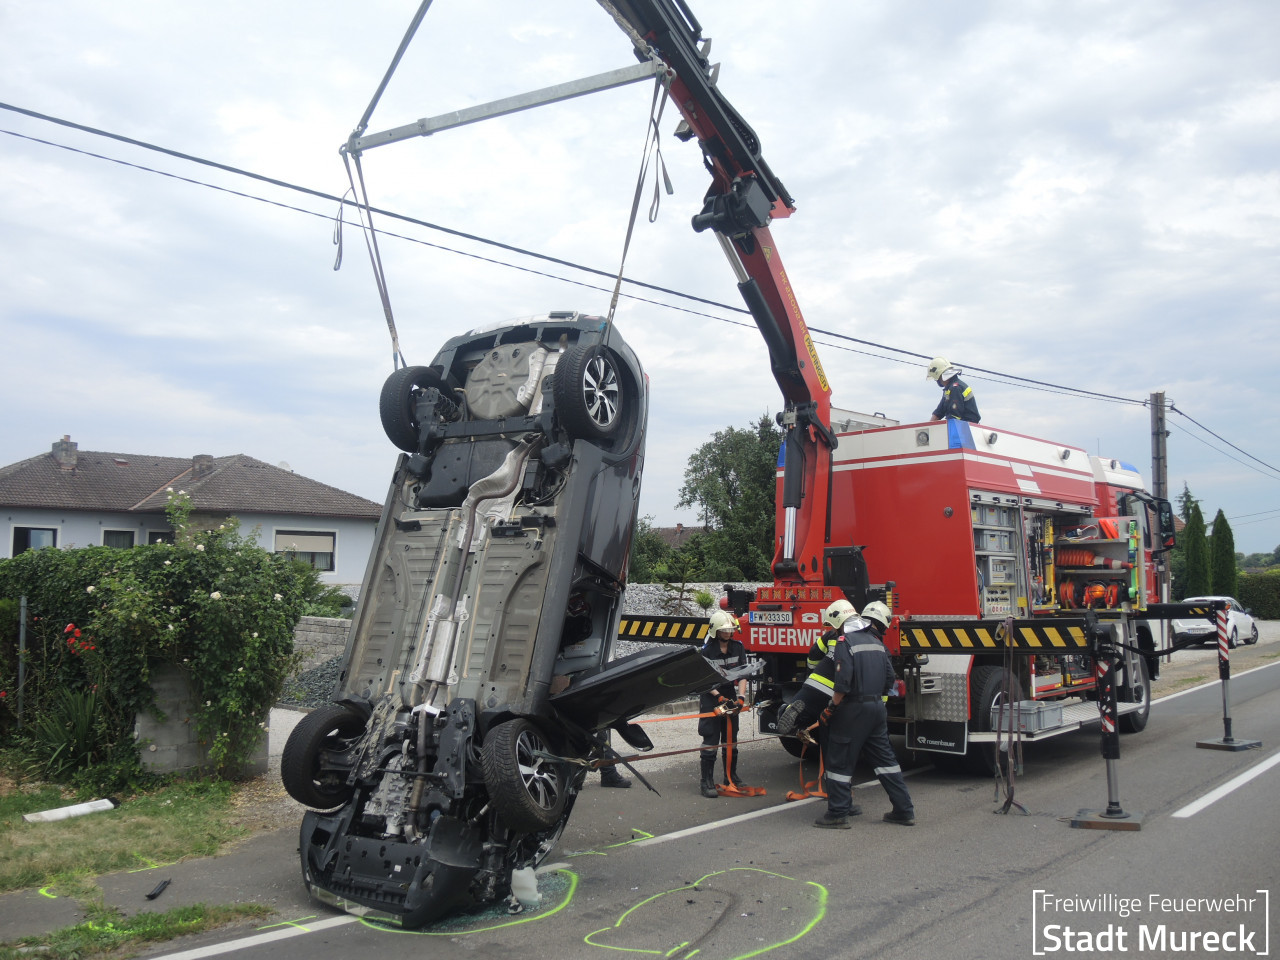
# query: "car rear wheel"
307,775
396,404
528,788
589,392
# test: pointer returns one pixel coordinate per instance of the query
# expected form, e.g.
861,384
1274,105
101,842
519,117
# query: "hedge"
1260,593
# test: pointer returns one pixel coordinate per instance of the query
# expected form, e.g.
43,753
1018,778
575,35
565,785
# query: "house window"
310,546
159,536
120,539
33,538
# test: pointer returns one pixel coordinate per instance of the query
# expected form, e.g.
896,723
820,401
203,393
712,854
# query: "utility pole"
1160,477
1159,460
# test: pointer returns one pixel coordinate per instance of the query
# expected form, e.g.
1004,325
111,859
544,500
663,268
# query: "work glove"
825,717
722,707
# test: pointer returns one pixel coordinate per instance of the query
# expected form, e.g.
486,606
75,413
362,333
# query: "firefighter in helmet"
803,709
856,720
957,401
723,702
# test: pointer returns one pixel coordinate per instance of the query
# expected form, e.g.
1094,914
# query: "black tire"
1136,721
396,403
1233,640
332,728
528,791
798,748
589,392
949,762
1253,636
986,685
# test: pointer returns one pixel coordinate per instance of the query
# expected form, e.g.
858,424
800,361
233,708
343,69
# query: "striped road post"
1227,742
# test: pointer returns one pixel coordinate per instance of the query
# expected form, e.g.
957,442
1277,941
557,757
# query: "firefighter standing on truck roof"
724,701
856,720
957,401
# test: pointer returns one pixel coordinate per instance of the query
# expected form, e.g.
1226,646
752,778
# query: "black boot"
610,777
708,775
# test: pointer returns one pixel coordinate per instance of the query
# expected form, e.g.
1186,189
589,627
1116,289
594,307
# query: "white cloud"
1080,194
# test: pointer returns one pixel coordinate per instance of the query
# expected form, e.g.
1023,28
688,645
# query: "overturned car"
476,687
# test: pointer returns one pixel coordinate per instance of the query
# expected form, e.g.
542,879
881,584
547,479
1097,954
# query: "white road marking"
741,818
1191,809
292,930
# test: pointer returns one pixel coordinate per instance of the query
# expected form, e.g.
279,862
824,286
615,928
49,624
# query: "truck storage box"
1029,716
997,540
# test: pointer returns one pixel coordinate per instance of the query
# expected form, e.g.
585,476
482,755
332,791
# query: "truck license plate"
771,617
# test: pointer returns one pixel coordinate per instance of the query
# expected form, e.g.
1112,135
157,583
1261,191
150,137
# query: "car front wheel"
527,785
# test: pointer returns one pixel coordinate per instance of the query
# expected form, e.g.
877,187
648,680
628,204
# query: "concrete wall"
319,639
174,745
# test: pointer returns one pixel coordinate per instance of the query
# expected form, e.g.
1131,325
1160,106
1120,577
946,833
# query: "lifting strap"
652,151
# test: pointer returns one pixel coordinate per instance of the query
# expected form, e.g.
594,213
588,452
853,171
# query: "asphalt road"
678,875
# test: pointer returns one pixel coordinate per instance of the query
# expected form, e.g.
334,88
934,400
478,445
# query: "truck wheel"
589,392
395,405
528,789
798,748
986,688
304,770
1136,691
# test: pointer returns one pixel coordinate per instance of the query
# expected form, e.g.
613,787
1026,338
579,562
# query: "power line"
1175,409
999,377
1222,452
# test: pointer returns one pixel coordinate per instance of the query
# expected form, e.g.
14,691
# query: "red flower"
70,627
3,694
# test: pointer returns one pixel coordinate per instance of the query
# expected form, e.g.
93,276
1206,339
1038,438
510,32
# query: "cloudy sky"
1082,193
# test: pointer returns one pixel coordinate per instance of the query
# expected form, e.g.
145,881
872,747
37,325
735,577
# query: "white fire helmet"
940,369
836,614
722,620
877,611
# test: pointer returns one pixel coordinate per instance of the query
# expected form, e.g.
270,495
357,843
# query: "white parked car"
1240,625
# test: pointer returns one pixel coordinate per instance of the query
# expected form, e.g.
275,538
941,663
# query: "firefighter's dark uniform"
957,402
716,730
858,724
814,695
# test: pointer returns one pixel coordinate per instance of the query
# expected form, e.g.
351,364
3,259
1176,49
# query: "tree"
1185,502
649,553
1195,554
1222,558
731,480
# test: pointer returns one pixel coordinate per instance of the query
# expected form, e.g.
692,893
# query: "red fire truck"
1003,556
1010,560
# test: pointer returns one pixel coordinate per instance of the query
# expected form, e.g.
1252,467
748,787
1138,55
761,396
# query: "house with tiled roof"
78,498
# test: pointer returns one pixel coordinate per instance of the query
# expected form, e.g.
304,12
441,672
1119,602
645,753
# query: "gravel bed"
316,686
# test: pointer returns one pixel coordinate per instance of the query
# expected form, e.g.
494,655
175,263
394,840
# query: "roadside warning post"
1107,646
1226,741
